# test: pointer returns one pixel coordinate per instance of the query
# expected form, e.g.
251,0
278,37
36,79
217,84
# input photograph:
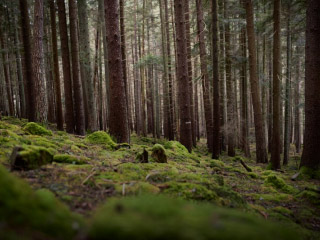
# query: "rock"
159,153
29,157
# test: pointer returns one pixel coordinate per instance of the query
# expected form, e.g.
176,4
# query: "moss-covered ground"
189,197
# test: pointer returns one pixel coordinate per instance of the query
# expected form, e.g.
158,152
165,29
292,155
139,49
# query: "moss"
36,129
216,163
138,188
176,146
158,217
219,179
101,137
27,214
30,157
159,153
158,177
190,191
279,184
284,211
71,159
310,173
273,197
253,175
76,149
311,196
228,196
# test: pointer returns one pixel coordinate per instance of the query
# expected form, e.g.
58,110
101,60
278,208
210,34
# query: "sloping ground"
86,172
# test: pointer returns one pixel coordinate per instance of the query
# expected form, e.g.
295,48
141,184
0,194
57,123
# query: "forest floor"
87,172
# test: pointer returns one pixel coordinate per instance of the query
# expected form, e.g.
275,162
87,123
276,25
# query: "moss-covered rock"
25,214
29,157
279,183
36,129
101,137
70,159
157,217
159,153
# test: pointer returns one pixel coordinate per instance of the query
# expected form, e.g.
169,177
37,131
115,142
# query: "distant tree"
118,109
68,94
76,79
255,88
311,146
182,76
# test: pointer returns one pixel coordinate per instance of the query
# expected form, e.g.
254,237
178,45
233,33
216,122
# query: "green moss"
311,196
191,191
138,188
216,163
101,137
158,177
282,210
273,197
27,214
71,159
35,129
176,146
228,196
310,173
30,157
279,184
76,149
253,175
158,217
159,153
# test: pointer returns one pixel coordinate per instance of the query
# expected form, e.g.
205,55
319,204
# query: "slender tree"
275,151
118,119
216,83
182,76
255,88
311,150
68,94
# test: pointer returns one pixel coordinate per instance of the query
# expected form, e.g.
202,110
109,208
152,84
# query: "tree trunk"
255,89
275,151
85,63
68,95
77,87
59,116
118,118
311,151
182,75
204,75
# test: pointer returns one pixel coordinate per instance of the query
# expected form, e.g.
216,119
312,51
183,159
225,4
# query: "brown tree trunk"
77,87
59,116
38,66
182,76
275,151
255,89
204,75
118,118
311,151
68,95
30,85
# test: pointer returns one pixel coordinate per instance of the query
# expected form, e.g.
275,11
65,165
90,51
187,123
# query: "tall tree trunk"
230,93
216,141
311,151
85,63
275,152
57,87
255,89
204,75
297,115
182,76
68,95
287,118
77,87
38,60
118,118
30,84
188,37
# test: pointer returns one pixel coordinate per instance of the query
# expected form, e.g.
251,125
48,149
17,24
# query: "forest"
159,119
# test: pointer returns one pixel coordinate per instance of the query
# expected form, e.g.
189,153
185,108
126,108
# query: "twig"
245,166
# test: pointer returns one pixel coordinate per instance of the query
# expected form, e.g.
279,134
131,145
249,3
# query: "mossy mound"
279,184
176,146
159,153
310,173
35,129
158,217
101,137
311,196
138,188
25,214
29,157
70,159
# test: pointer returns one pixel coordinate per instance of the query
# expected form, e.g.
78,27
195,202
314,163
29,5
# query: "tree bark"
255,89
311,151
118,118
